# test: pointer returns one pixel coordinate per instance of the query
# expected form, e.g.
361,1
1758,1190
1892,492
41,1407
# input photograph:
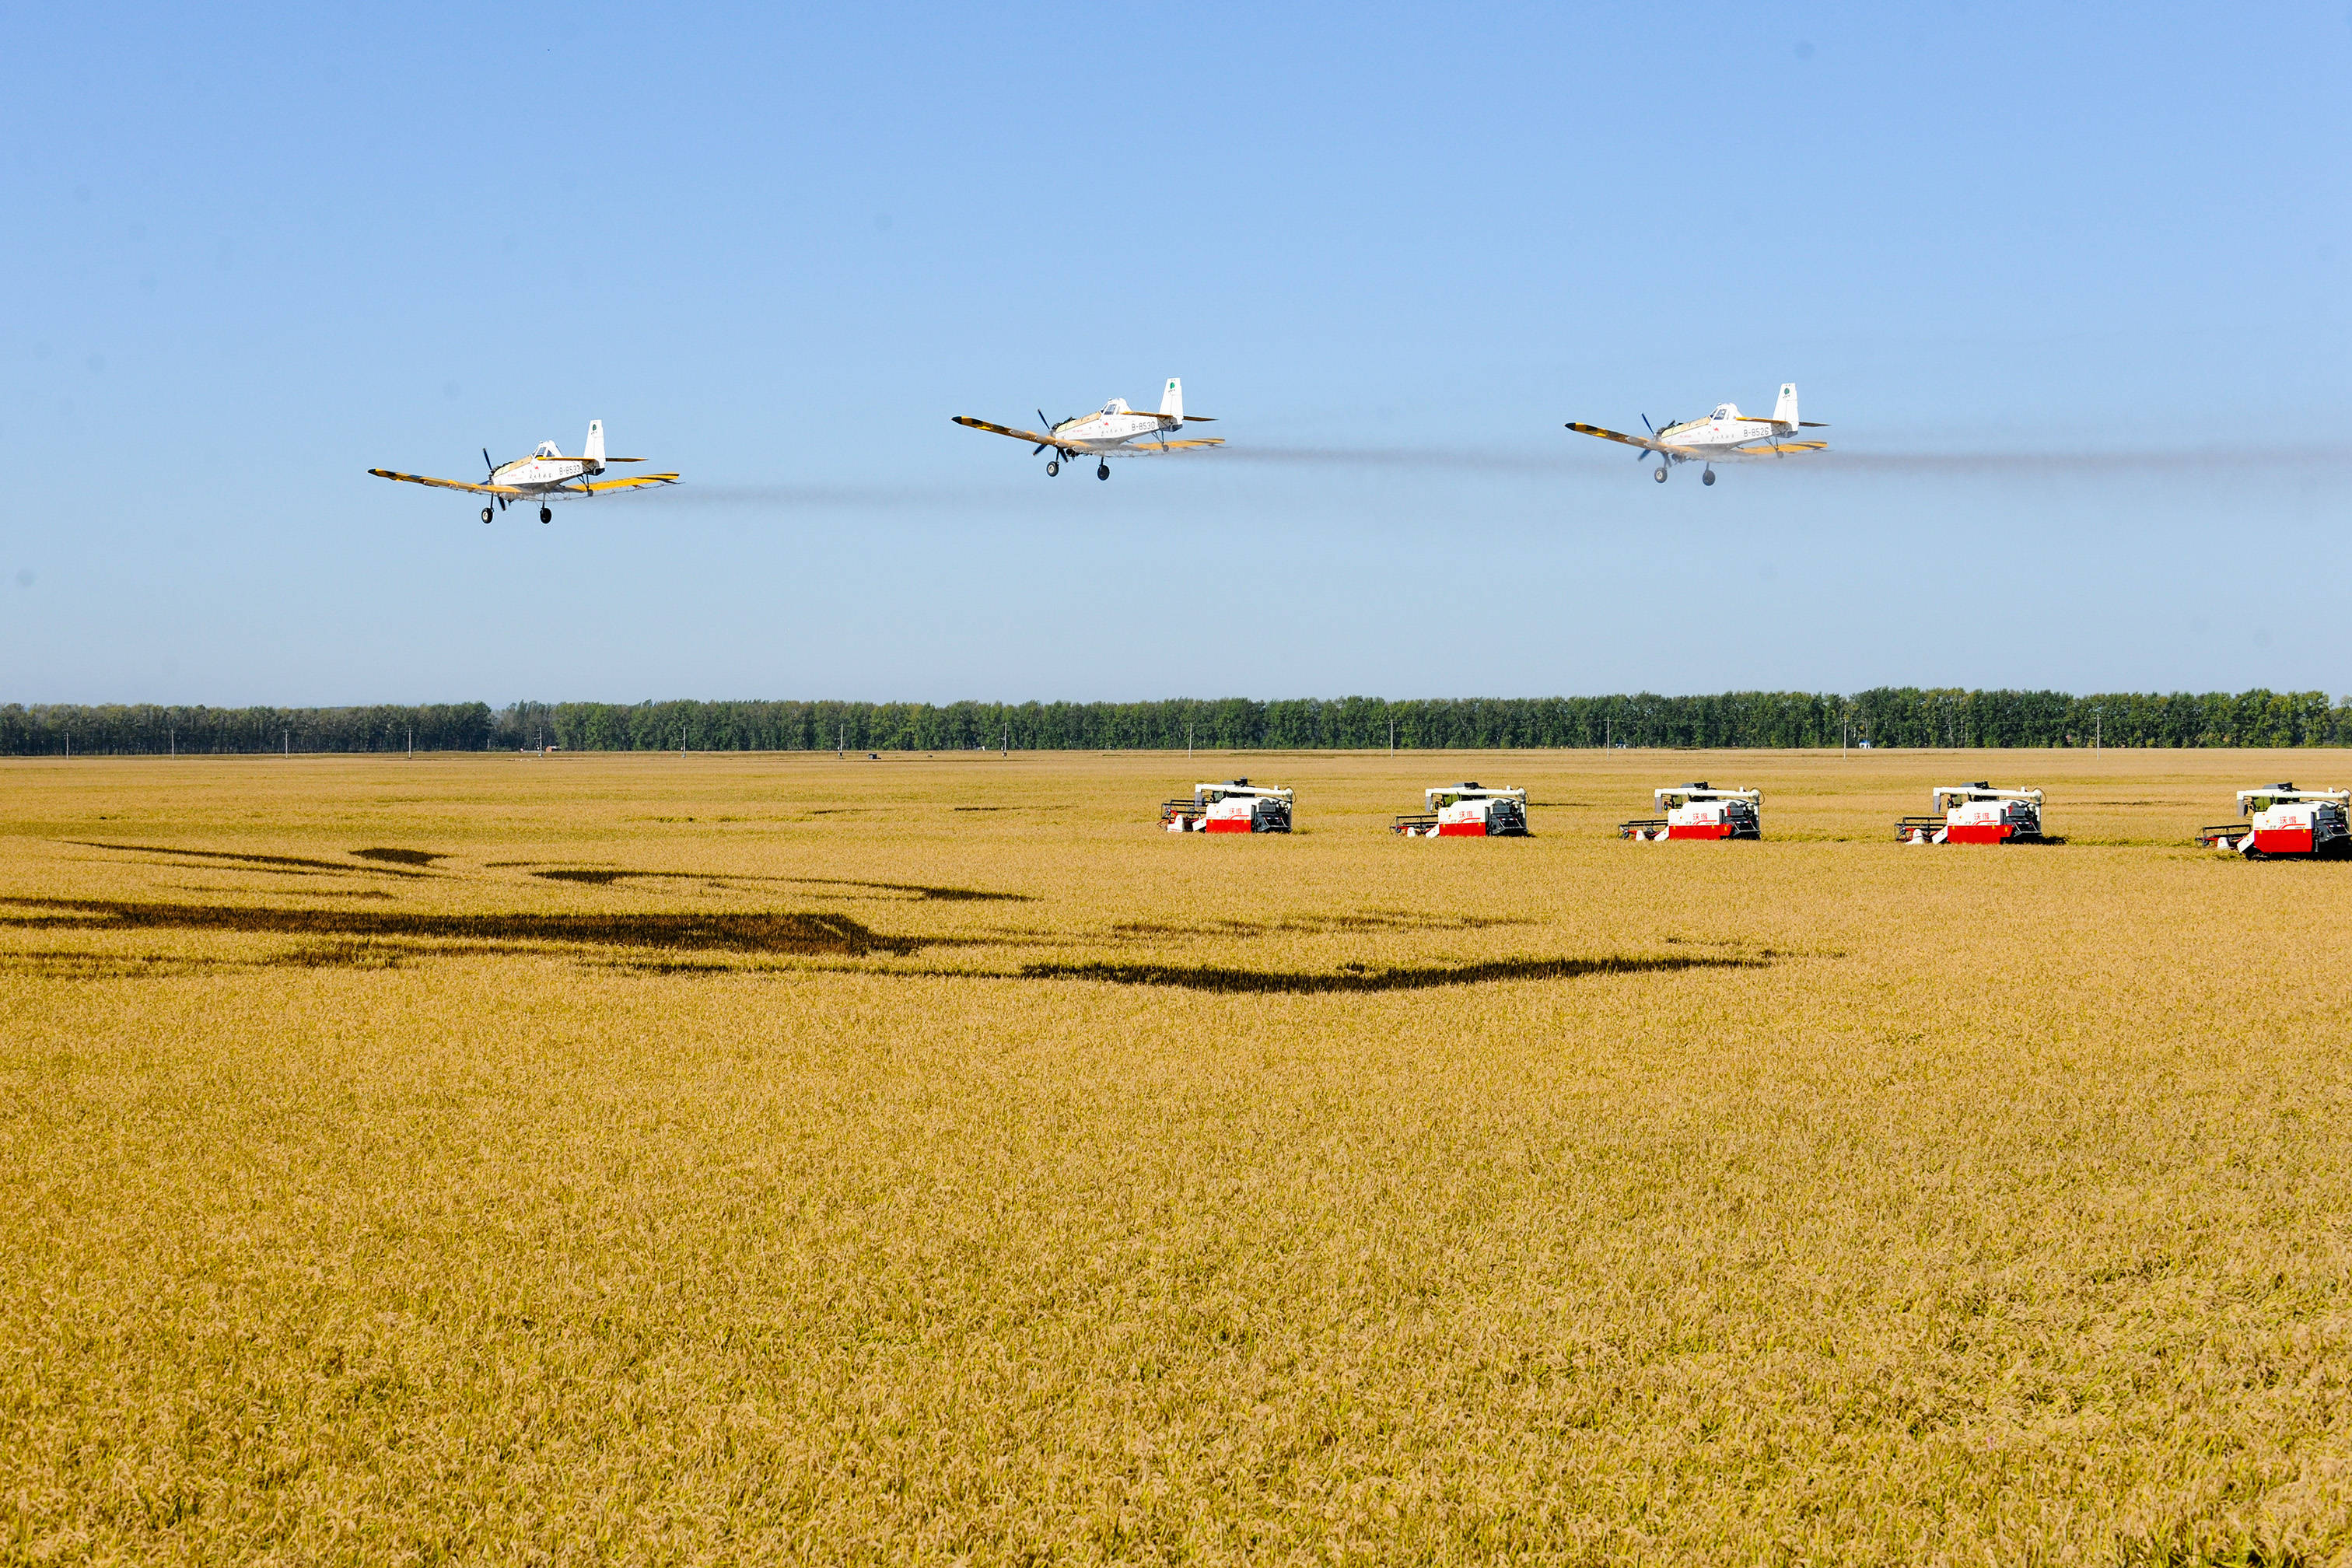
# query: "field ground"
500,1159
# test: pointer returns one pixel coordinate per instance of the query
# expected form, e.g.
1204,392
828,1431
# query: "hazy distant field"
501,1159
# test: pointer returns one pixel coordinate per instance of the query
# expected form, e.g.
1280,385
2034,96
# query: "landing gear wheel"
1053,467
1661,473
1102,471
486,514
545,515
1708,478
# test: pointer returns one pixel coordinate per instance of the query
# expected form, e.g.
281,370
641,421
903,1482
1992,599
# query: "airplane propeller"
1641,455
494,476
1049,430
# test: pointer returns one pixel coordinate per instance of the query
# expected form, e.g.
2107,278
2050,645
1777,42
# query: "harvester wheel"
1661,475
1102,471
1053,467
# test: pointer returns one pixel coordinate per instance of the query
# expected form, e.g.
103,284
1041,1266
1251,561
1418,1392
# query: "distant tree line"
1909,717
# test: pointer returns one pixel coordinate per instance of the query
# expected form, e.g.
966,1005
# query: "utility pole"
841,742
1392,740
175,740
289,736
1188,743
412,743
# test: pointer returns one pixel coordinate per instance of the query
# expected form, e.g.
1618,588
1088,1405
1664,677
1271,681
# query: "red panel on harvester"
1471,829
1226,825
1699,830
2283,841
1976,833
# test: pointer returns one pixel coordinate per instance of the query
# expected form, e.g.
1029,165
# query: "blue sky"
253,253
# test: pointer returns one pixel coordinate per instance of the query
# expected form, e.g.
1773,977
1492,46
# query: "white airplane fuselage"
543,471
1721,434
1111,427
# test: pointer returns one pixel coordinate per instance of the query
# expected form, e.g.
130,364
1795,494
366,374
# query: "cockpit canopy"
548,450
1115,405
1727,411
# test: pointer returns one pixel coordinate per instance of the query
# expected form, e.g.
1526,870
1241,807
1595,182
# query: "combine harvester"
1698,810
1977,813
1236,805
1468,811
2280,819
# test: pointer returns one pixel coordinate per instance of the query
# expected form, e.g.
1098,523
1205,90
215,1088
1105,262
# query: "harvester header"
1236,805
1698,810
1977,814
2280,819
1468,810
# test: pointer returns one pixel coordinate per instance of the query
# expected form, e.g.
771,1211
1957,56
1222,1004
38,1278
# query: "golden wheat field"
761,1159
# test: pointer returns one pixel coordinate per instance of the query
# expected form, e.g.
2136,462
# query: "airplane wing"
1145,447
1029,435
448,484
1641,441
635,482
1785,449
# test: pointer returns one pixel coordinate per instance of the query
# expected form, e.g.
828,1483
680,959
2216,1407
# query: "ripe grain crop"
779,1158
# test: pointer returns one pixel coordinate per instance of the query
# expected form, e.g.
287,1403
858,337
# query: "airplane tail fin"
1171,402
1785,411
594,450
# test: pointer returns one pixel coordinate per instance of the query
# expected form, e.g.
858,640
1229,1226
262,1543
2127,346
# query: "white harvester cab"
2280,819
1236,805
1468,811
1977,814
1698,810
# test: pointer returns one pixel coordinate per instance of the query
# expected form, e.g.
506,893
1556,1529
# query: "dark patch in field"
284,865
1404,977
401,856
746,932
1313,925
922,891
603,876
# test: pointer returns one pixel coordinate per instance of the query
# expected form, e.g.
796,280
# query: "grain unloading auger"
1468,811
1236,805
1698,810
1977,814
2280,819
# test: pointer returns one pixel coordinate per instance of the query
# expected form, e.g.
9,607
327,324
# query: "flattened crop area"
772,1158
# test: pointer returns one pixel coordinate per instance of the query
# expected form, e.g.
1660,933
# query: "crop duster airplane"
1108,434
546,475
1725,435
